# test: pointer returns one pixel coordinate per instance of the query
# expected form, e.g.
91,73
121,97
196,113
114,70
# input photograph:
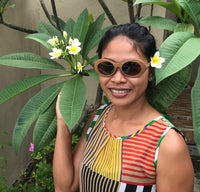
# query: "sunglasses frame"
119,65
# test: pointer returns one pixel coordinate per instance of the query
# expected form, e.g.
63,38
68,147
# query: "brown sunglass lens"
106,68
131,68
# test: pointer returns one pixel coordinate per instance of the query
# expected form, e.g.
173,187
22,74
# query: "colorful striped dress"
121,164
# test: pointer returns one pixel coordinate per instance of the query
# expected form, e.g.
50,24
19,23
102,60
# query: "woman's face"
122,90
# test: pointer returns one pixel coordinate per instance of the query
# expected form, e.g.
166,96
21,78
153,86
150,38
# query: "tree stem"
131,11
55,14
107,11
46,12
21,29
99,96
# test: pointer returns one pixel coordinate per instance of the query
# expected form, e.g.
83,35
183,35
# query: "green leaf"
45,128
167,91
195,95
182,27
29,60
81,26
69,27
170,6
37,105
95,40
41,38
94,28
22,85
44,27
93,74
159,22
72,101
192,7
179,50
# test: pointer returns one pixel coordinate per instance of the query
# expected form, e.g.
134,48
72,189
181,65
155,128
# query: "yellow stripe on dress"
108,162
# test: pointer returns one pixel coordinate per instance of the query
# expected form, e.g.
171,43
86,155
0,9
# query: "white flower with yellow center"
156,60
56,53
73,50
80,67
74,42
54,41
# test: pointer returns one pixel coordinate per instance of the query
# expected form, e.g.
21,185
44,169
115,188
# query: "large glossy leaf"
41,38
179,50
170,6
37,105
159,22
45,128
182,27
168,90
94,28
47,28
22,85
195,98
192,7
81,26
29,60
72,101
69,27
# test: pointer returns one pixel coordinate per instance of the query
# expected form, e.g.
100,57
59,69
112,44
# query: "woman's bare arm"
174,169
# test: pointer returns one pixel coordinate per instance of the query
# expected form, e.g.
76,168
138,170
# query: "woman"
127,145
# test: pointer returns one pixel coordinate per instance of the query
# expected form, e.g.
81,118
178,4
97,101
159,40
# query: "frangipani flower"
54,41
74,42
80,67
31,148
156,60
73,50
56,53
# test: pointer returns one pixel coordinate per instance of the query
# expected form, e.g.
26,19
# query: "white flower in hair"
156,60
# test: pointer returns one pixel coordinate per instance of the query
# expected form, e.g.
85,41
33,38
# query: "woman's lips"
120,92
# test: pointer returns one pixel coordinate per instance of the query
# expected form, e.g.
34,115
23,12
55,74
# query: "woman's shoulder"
173,142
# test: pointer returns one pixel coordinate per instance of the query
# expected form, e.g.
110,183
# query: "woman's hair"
139,35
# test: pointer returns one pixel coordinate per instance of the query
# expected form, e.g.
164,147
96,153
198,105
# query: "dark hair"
140,36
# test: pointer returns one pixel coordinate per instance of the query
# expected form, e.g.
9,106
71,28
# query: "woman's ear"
151,74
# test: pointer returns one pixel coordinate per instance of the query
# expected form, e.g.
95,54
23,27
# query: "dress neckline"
128,136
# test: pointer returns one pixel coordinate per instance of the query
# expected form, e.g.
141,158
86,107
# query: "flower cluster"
156,60
64,50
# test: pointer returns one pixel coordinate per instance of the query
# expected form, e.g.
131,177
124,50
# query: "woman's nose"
118,76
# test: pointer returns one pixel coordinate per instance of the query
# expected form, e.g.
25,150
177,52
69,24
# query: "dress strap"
95,117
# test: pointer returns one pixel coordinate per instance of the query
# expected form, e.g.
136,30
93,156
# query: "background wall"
26,14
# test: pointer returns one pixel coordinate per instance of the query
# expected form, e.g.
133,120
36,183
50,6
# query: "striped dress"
121,164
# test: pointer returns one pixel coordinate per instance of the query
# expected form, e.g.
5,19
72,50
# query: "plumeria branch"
99,96
138,12
131,11
47,13
107,11
30,31
55,14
